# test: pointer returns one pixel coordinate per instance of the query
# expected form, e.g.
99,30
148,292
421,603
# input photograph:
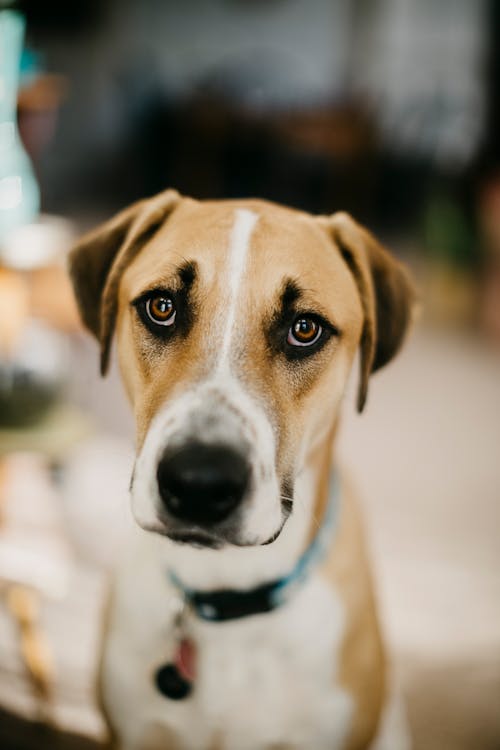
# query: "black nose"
202,483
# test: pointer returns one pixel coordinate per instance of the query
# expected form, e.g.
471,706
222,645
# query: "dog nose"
202,483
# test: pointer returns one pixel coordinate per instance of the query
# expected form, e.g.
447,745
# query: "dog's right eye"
160,309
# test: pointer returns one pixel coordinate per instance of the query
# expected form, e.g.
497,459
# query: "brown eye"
161,310
304,332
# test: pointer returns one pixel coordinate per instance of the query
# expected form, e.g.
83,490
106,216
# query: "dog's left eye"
160,309
305,331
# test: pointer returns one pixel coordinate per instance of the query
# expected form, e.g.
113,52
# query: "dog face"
236,326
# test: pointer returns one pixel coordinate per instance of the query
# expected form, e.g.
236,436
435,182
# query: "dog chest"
262,681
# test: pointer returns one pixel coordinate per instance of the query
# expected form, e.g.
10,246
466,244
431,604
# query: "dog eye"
305,331
161,310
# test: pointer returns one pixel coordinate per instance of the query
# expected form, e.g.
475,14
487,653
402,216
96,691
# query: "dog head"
236,325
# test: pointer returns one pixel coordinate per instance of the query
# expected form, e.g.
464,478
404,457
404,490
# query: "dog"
243,617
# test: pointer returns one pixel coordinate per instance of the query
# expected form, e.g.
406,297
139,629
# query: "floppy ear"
97,263
386,291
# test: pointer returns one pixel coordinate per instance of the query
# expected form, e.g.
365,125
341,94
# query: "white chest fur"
264,681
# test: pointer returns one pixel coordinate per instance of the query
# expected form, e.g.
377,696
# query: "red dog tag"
185,659
175,679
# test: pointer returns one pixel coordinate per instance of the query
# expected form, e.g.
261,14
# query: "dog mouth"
197,539
202,539
216,537
274,536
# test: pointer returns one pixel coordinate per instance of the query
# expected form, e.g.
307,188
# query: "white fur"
262,680
244,223
213,411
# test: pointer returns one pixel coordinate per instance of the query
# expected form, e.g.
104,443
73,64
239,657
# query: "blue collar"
232,604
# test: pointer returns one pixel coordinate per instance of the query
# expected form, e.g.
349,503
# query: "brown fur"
99,259
386,293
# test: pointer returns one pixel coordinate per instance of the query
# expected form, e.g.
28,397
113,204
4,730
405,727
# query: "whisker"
316,521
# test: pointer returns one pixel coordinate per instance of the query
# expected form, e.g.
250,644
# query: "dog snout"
202,484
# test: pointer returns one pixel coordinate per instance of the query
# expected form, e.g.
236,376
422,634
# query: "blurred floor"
426,461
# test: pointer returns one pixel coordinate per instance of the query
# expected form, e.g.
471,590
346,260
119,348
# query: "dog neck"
247,567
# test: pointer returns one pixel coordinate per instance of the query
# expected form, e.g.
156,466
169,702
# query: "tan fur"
362,661
360,288
160,738
363,669
277,252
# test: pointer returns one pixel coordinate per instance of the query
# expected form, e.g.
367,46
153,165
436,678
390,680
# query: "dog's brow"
187,274
181,281
290,295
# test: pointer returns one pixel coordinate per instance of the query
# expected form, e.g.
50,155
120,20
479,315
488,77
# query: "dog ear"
386,291
97,262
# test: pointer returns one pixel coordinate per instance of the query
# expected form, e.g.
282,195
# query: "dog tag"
185,659
171,684
175,680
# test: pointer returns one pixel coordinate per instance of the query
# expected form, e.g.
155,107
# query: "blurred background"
389,109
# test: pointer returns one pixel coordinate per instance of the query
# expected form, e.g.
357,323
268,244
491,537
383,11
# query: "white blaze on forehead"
244,223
